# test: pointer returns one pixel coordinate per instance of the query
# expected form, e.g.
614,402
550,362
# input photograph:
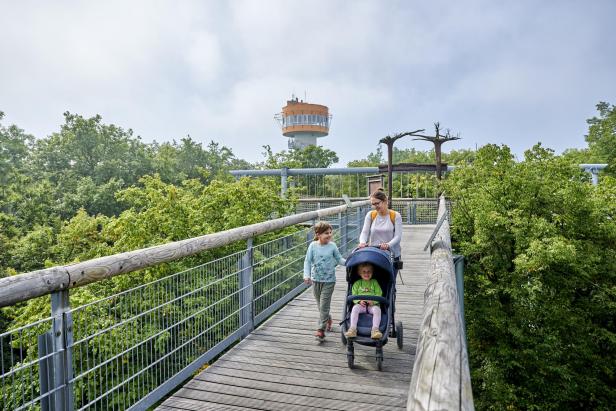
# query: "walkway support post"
284,173
246,290
62,341
441,376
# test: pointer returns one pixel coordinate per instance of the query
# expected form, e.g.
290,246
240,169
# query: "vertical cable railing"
129,349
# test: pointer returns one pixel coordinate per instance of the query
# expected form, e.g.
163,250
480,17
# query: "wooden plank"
280,366
299,387
316,379
274,400
176,404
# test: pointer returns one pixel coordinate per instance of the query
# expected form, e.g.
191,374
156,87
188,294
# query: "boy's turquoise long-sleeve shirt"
321,261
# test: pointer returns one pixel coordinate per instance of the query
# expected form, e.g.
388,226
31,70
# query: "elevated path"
280,366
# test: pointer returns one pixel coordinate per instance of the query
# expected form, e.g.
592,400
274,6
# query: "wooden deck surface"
280,365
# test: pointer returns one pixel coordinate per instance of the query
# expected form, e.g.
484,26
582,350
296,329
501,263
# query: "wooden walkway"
280,365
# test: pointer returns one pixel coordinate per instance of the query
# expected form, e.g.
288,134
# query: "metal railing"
129,349
413,211
352,181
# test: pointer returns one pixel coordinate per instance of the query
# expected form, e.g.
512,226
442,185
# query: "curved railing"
441,377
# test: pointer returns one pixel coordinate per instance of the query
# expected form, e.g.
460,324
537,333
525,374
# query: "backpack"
392,216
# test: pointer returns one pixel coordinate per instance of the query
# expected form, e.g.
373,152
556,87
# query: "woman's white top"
381,230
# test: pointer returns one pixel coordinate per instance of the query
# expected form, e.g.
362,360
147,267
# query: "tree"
389,142
307,157
438,140
601,136
187,160
14,150
540,280
372,160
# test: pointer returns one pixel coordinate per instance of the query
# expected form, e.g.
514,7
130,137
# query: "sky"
501,72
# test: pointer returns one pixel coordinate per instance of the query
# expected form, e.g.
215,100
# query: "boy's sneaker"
376,334
352,333
329,326
320,334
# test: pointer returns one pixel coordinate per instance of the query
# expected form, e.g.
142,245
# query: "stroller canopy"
375,256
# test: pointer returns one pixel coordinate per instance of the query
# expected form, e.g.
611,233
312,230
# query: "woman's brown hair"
379,195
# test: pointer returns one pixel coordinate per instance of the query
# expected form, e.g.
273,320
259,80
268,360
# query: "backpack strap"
392,216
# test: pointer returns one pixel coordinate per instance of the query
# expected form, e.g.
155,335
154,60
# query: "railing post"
45,351
62,338
360,221
284,172
246,290
414,214
343,233
408,213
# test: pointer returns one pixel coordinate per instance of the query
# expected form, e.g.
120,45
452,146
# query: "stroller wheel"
351,360
399,335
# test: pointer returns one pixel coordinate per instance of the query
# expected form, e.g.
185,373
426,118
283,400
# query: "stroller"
385,273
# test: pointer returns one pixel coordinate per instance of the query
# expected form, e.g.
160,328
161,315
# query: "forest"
538,238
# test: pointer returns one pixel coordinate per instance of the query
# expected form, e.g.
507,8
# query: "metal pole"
283,181
45,348
62,337
408,213
343,233
246,290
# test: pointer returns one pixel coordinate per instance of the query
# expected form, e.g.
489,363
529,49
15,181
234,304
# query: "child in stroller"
368,331
366,286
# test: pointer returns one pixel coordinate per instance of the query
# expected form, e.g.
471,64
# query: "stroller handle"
377,298
391,253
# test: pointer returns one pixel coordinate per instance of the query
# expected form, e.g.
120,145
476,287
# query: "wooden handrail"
25,286
441,377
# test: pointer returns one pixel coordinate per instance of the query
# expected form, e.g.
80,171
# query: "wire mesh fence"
404,185
24,366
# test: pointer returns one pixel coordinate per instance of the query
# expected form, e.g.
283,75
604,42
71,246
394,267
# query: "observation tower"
303,122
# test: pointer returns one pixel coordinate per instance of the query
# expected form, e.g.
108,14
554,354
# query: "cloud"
511,73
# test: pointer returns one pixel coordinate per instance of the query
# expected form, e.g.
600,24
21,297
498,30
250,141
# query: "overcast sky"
504,72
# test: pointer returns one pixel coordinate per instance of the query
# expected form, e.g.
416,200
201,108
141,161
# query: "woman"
382,227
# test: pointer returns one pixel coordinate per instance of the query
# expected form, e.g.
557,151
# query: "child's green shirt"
370,287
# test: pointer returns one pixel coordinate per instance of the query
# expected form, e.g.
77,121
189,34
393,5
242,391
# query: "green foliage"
601,136
372,160
307,157
89,148
178,162
540,282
